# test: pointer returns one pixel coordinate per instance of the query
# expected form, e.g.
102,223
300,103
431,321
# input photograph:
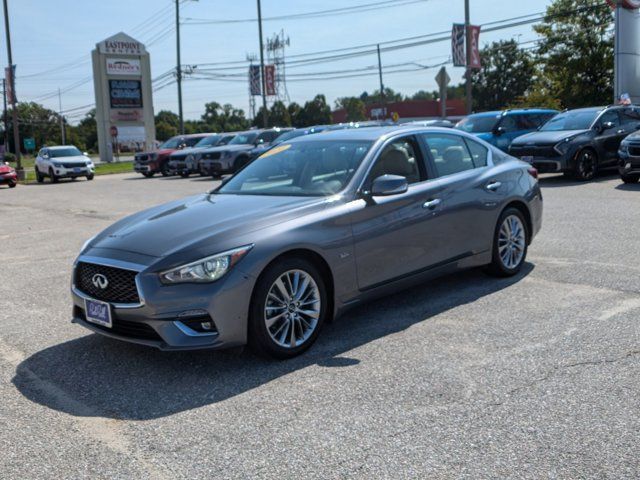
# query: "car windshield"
480,124
293,134
306,168
243,139
171,143
208,141
575,120
226,139
64,152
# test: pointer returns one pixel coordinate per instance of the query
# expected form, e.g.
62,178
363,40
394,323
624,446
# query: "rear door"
608,139
472,191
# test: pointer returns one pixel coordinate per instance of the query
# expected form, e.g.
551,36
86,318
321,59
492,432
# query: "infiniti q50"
312,227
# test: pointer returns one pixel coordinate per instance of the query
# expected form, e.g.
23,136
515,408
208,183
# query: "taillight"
533,172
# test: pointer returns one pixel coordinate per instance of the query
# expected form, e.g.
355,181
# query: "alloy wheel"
292,308
511,242
587,165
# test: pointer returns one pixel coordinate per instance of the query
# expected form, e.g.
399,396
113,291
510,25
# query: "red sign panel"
474,57
270,79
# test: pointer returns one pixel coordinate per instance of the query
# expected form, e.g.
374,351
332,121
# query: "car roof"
591,109
60,147
370,133
517,111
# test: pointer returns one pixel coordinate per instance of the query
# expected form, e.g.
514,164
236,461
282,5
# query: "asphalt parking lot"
468,376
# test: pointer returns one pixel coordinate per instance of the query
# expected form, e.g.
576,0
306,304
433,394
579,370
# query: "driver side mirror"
499,131
386,185
605,126
259,141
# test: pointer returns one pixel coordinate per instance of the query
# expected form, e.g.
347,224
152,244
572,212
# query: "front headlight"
153,156
207,269
563,146
624,147
56,164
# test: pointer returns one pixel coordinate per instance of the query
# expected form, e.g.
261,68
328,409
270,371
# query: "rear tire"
629,178
586,166
52,176
510,244
239,163
184,174
285,323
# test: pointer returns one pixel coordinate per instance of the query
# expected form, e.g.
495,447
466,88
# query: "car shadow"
555,180
97,376
628,187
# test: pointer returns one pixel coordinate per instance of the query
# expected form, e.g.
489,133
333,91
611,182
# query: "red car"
150,163
8,175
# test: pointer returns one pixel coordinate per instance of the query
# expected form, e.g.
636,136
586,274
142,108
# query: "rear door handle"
431,204
493,186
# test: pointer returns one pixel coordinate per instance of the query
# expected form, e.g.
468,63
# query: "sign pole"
265,114
12,86
179,67
467,36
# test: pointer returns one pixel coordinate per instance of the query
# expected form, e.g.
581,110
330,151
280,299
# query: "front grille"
141,158
74,165
124,328
542,151
634,150
211,155
121,286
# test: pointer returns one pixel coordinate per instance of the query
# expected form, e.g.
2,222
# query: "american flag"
457,45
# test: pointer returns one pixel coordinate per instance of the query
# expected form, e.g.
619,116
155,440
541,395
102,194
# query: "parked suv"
230,158
629,158
501,128
183,162
578,142
150,163
63,161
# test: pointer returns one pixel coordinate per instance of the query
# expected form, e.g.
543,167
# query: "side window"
479,153
450,153
509,124
267,137
610,116
630,115
526,121
400,157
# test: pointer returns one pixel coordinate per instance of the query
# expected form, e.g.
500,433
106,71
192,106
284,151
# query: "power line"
317,14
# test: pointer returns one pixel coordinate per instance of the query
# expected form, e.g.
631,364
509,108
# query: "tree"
165,131
279,115
87,131
424,95
390,95
223,118
576,53
36,122
355,108
315,112
506,74
294,111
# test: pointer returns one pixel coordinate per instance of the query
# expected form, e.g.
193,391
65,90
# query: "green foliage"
355,108
390,95
315,112
164,131
294,112
575,56
506,74
279,115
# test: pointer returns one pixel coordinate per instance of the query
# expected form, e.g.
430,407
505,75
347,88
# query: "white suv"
63,162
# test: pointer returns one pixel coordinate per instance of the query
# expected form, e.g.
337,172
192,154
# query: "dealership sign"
125,93
122,46
120,66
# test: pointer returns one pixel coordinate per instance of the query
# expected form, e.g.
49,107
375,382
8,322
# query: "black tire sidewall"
579,159
258,336
630,178
497,267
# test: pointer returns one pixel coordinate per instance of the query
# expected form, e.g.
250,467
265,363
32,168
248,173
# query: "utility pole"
467,37
382,98
14,112
265,114
4,115
179,67
63,133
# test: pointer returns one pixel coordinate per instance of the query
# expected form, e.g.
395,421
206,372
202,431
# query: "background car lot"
462,377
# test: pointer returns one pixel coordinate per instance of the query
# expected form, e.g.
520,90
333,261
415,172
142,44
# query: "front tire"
240,163
52,176
13,184
39,176
164,170
184,174
288,308
148,174
509,244
586,165
90,177
626,178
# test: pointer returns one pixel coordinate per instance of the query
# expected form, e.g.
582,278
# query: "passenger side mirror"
386,185
499,131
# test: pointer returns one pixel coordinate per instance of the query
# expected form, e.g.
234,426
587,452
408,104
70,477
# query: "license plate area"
98,312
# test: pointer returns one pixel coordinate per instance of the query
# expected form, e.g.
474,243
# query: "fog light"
199,321
627,166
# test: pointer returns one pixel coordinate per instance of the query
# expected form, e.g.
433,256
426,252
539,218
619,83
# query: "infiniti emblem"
100,281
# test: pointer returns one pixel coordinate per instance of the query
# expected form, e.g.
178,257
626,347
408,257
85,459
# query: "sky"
52,41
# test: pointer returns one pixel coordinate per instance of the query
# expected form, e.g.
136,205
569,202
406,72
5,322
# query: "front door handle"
493,186
431,204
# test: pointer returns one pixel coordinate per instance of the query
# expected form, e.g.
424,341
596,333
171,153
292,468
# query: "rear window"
481,124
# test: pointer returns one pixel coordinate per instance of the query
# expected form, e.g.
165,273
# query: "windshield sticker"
275,150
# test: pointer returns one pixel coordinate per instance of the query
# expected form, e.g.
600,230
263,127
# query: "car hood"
209,222
161,152
546,138
74,159
633,137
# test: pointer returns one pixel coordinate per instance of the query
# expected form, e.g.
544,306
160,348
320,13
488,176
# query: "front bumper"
163,317
628,165
141,167
8,178
215,167
74,171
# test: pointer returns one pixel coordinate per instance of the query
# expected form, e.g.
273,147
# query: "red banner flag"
270,79
474,57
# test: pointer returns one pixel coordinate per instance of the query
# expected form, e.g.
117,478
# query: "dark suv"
578,142
230,158
150,163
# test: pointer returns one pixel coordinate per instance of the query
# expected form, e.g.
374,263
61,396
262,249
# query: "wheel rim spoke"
511,242
292,308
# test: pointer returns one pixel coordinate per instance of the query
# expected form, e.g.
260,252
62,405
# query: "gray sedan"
311,228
